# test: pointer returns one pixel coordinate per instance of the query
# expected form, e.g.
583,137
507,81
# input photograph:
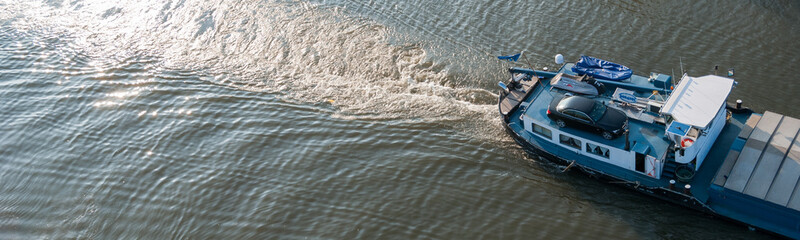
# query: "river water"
281,119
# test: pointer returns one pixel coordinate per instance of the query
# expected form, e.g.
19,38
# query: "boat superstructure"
684,143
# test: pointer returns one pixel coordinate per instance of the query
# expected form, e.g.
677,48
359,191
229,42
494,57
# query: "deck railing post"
627,142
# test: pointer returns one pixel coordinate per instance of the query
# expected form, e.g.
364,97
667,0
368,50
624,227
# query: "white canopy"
696,100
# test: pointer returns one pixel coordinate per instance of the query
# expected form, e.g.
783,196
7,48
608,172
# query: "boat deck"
649,135
515,96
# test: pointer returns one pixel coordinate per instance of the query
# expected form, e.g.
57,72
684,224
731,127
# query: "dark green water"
337,119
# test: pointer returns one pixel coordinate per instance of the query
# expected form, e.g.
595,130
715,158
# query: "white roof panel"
696,100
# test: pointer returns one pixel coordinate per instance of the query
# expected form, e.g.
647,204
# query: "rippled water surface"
279,119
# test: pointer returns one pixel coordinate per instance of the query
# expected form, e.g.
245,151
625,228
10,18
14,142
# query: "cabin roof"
696,100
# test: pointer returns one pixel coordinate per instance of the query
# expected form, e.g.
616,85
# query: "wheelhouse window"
542,131
569,141
597,150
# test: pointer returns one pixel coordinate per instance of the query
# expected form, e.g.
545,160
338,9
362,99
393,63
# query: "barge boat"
681,141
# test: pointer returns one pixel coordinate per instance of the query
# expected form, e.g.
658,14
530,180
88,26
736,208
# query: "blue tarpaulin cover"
601,69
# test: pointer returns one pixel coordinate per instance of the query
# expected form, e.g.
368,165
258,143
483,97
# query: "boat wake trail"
302,52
